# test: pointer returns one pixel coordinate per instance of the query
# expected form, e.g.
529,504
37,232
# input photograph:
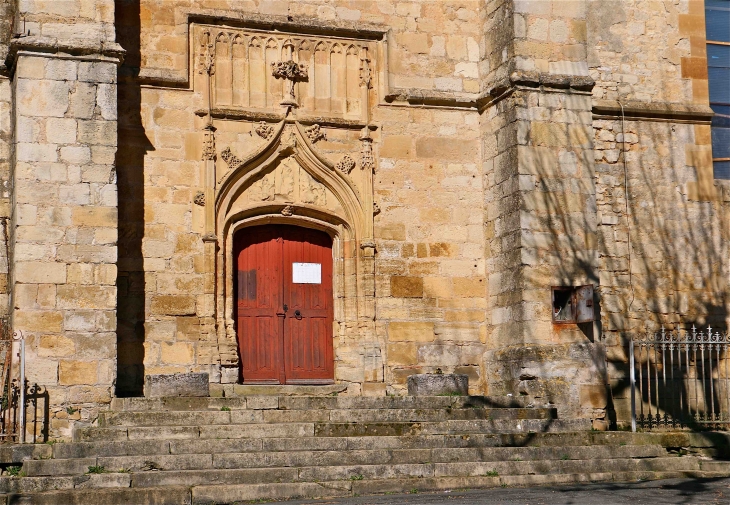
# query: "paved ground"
661,492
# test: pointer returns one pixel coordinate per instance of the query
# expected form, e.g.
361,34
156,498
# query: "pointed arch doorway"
284,304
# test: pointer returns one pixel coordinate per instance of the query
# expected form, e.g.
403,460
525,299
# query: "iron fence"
10,391
680,379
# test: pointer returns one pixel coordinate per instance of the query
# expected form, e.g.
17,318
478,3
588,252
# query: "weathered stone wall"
430,281
637,51
7,17
499,172
540,221
662,218
64,217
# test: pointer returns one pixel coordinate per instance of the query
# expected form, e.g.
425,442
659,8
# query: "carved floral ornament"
346,164
263,130
291,71
315,133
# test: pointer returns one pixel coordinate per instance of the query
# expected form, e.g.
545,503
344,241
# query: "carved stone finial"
366,76
199,198
206,61
209,143
288,140
315,133
263,130
367,160
287,211
346,164
292,72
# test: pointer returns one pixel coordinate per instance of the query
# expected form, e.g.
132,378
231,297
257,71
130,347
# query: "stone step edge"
115,421
89,462
273,402
209,494
555,448
321,425
17,453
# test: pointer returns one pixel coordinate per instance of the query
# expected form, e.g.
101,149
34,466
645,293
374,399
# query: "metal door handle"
297,314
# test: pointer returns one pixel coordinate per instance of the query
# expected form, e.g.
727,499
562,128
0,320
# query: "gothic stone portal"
284,305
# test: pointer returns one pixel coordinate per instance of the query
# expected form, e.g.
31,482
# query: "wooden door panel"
258,289
259,358
279,346
308,353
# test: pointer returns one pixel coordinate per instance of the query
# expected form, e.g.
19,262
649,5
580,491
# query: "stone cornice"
81,48
653,111
498,90
256,115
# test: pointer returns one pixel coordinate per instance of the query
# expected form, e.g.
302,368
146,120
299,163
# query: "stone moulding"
85,49
500,89
247,114
654,111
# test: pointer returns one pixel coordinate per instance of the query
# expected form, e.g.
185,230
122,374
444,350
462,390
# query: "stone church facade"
462,159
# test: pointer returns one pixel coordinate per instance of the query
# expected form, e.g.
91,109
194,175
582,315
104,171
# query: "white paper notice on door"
307,273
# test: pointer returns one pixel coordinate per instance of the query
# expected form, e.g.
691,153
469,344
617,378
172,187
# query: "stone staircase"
230,450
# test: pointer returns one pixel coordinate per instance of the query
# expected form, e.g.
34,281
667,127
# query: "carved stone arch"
254,42
346,222
290,141
223,38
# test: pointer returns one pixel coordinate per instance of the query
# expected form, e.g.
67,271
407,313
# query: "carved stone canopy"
287,171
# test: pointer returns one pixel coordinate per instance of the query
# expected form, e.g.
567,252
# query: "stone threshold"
238,390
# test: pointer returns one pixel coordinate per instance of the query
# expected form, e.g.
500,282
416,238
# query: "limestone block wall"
7,10
65,229
430,280
663,255
636,50
430,269
435,44
662,218
85,22
63,215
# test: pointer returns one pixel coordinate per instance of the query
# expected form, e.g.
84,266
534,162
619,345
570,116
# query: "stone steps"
484,445
246,416
236,493
311,429
316,403
197,470
139,447
304,458
188,450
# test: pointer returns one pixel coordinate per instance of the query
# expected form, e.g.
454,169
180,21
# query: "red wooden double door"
284,304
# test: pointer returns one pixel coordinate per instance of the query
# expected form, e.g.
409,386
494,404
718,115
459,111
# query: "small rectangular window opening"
563,305
572,304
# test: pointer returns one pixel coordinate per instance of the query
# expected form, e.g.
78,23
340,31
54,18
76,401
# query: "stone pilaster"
64,222
540,220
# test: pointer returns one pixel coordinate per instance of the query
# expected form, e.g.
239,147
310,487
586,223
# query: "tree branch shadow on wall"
133,146
662,264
